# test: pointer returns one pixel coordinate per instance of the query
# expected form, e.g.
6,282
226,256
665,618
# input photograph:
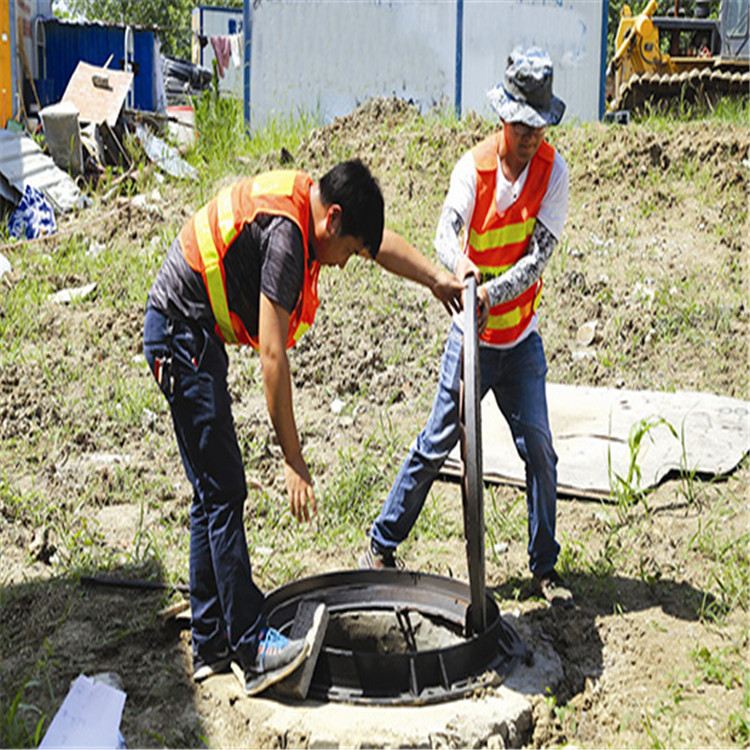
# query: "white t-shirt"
463,189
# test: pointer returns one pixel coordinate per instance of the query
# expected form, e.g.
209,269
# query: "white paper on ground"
88,717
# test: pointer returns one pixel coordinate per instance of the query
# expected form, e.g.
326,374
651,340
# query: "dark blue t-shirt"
267,256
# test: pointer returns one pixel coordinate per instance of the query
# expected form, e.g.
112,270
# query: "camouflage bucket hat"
525,95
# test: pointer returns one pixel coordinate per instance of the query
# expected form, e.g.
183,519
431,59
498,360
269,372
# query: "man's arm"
448,247
398,256
277,383
527,270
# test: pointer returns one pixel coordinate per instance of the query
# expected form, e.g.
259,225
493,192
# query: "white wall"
570,31
328,56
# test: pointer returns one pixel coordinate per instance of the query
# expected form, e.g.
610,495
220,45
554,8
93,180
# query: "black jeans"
190,364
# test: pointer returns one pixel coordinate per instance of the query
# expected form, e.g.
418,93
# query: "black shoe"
277,658
551,587
205,667
373,559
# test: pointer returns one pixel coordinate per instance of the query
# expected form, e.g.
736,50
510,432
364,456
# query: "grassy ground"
655,251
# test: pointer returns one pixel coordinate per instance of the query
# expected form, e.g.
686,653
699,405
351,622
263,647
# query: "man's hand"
483,303
398,256
449,290
300,490
273,325
465,267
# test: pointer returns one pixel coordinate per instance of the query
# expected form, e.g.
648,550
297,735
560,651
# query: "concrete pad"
493,717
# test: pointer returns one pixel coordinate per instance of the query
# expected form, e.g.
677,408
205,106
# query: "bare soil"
655,250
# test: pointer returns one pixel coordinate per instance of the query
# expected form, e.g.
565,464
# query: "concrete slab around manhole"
496,717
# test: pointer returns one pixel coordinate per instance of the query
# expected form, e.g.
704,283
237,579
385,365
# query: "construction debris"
24,163
84,135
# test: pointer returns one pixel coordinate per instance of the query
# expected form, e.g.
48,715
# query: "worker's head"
525,95
355,206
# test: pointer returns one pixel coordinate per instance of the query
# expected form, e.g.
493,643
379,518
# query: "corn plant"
627,489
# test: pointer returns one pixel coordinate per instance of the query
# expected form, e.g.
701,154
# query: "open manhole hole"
398,637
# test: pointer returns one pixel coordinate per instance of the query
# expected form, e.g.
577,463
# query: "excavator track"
698,86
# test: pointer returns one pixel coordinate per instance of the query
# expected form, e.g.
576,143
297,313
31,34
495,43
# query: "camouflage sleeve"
447,244
527,270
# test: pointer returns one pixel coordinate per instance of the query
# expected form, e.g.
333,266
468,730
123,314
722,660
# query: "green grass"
21,723
99,398
727,109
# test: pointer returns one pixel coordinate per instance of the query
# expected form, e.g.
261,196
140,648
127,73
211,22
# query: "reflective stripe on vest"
496,242
213,273
206,238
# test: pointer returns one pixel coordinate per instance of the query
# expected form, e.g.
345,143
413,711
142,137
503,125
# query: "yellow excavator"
671,59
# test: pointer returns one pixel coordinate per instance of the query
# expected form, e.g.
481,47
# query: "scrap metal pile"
88,134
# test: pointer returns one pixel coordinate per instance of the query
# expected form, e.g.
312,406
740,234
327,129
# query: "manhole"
398,637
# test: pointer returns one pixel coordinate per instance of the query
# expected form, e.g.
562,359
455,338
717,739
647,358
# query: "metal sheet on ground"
24,163
591,429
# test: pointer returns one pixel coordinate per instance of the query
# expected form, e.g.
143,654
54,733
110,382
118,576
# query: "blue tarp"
33,217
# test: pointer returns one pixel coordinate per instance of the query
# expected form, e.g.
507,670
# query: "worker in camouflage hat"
501,220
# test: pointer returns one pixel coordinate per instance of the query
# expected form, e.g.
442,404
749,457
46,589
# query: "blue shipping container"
66,43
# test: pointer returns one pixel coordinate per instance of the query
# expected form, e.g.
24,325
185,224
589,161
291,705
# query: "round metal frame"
411,676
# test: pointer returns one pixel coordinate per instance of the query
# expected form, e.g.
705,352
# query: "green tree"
170,19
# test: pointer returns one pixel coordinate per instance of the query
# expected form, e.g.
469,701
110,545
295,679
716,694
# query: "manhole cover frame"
409,677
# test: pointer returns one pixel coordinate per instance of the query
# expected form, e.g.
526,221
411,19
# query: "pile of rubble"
85,135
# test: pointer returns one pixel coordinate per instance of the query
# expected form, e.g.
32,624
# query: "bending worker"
501,220
244,270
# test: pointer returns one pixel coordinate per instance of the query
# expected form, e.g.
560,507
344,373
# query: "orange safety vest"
496,241
206,238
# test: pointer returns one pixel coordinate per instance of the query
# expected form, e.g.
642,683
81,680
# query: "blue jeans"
191,364
517,378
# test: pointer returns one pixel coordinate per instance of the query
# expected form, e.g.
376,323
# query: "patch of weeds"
690,486
648,570
574,554
729,566
28,507
565,714
560,257
357,489
626,490
21,723
80,544
739,719
653,725
437,522
505,521
715,667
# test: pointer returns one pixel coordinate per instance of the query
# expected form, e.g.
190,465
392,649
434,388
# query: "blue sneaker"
277,657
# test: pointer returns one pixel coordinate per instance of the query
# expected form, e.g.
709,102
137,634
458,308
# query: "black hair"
351,185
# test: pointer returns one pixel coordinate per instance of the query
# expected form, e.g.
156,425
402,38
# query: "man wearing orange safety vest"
244,270
510,194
